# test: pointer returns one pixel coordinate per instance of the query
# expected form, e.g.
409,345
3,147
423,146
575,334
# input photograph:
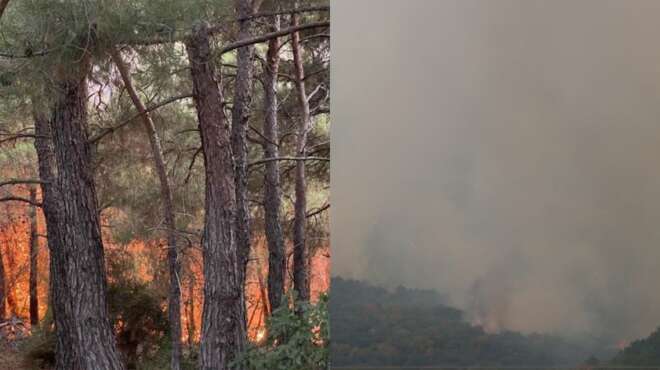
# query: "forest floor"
10,358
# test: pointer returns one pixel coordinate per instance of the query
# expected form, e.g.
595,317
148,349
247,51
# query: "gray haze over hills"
506,153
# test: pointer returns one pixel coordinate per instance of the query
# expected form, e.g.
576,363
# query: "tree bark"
239,117
51,206
2,288
3,6
10,292
174,300
85,329
272,194
300,248
223,318
34,257
191,313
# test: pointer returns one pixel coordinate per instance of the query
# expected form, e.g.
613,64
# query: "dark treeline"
642,352
199,128
410,327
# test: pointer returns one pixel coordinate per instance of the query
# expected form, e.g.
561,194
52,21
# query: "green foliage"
161,358
369,325
136,310
39,349
127,187
138,319
296,340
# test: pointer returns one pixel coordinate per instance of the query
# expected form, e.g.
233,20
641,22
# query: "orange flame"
144,256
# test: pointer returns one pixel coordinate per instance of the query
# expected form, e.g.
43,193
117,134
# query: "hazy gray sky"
506,153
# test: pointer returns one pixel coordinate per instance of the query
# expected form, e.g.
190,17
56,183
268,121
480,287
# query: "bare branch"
306,39
21,136
20,182
264,138
316,90
192,163
262,161
319,8
314,73
318,211
19,199
271,35
155,40
320,110
172,37
112,129
8,55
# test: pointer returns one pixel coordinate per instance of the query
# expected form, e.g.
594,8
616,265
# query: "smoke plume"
506,153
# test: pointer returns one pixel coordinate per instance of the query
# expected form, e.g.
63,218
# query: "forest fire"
143,258
256,298
489,324
622,344
179,195
15,252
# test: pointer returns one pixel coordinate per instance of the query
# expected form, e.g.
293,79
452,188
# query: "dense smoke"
506,153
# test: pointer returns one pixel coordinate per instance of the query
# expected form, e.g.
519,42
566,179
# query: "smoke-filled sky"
505,153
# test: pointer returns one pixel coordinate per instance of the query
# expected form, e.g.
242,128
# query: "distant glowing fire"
622,344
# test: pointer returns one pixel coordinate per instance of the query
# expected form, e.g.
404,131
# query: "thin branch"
320,110
28,55
305,39
112,129
262,136
21,136
19,199
317,89
154,40
271,35
262,161
319,8
192,163
318,211
311,74
21,181
186,131
21,131
166,38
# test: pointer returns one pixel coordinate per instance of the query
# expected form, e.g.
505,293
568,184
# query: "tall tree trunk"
52,206
300,248
272,195
3,6
223,319
239,117
12,303
34,256
174,301
2,288
85,327
191,312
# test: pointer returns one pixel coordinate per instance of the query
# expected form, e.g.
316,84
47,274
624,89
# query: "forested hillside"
164,174
642,352
409,327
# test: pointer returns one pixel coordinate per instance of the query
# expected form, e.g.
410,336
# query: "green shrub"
39,348
140,326
160,359
295,341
